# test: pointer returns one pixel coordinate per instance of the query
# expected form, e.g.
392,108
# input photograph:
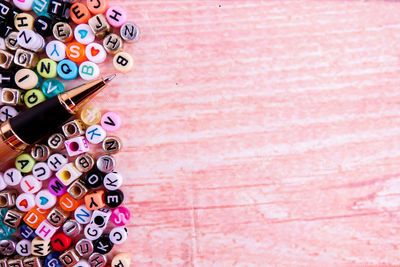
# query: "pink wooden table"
262,133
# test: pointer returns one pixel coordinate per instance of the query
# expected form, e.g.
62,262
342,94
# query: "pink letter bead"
12,177
112,181
56,187
46,230
76,146
30,184
45,200
41,171
120,216
110,121
56,161
82,214
25,202
116,16
95,134
95,53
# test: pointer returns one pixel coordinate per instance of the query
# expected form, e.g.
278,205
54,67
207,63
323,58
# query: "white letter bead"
76,146
100,218
30,184
45,200
83,34
3,184
82,263
106,163
23,247
56,161
25,5
112,181
7,112
95,53
28,39
88,71
25,202
82,215
41,171
56,50
118,235
92,232
45,230
2,44
68,173
95,134
12,177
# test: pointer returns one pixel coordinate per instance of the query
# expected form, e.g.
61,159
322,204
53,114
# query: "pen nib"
109,78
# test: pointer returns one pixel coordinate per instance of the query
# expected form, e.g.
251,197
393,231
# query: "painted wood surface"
261,133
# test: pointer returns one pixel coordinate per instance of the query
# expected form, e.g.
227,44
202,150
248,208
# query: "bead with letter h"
45,230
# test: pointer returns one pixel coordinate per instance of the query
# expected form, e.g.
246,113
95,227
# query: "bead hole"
74,146
8,96
71,129
65,175
3,58
3,201
76,191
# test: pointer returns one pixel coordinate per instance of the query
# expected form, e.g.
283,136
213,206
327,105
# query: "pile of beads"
62,198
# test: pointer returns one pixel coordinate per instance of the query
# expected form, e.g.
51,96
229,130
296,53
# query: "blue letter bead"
52,87
52,260
27,232
67,69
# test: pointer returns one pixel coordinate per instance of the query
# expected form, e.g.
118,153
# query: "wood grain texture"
262,133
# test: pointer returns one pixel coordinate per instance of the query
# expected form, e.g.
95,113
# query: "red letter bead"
60,242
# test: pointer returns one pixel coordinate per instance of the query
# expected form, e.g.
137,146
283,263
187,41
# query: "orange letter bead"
79,13
76,52
35,216
97,6
95,200
68,203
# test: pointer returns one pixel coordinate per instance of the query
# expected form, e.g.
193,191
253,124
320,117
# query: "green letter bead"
24,163
52,87
33,97
47,68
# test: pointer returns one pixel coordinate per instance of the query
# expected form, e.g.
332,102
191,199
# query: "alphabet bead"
28,39
76,52
24,163
77,190
55,50
40,247
15,262
92,232
26,79
68,203
6,59
27,232
12,177
25,5
3,184
56,141
56,187
56,8
35,216
89,71
60,242
45,230
76,146
97,260
11,96
41,171
25,202
8,198
7,247
90,115
94,179
52,260
112,43
43,25
57,216
69,258
118,235
121,260
29,184
79,13
33,97
83,34
6,77
95,200
123,62
73,128
95,53
97,6
103,245
6,27
13,218
47,68
95,134
84,163
7,112
23,247
23,20
82,263
67,69
99,25
52,87
110,121
45,200
106,163
84,247
68,173
63,32
6,10
116,16
112,144
82,215
25,58
130,32
56,161
113,181
72,228
120,216
100,218
114,198
40,7
11,41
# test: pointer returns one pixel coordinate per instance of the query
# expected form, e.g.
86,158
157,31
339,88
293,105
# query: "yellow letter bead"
24,163
121,260
74,128
47,68
26,79
23,21
33,97
25,58
123,62
11,96
90,115
40,152
68,173
6,59
40,247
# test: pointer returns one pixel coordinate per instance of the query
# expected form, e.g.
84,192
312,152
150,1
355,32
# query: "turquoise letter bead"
52,87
